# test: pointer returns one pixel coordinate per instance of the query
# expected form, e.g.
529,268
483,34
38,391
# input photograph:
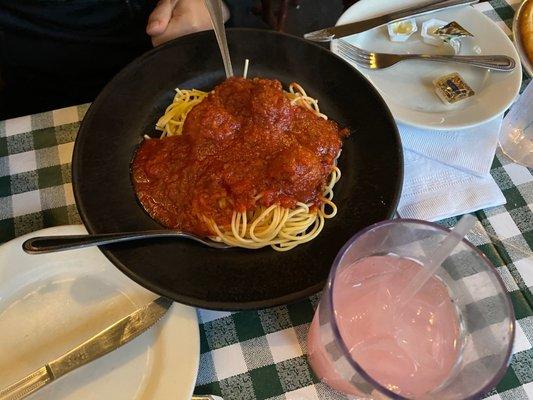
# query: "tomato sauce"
244,145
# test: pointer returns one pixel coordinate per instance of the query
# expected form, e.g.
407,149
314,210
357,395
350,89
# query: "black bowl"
188,272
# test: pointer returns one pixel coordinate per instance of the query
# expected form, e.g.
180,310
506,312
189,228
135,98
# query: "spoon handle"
215,11
49,244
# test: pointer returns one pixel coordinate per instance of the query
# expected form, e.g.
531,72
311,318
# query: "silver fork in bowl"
372,60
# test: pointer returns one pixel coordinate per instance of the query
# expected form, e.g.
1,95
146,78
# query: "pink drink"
411,350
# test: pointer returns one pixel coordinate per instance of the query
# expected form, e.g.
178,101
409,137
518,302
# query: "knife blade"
336,32
102,343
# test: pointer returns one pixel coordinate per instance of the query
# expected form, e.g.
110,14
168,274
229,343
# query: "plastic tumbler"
516,135
452,340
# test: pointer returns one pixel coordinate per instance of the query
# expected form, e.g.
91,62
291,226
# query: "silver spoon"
217,19
49,244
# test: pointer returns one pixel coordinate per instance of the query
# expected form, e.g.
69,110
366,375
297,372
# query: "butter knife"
102,343
336,32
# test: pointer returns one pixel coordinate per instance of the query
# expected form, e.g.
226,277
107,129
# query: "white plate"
407,87
53,302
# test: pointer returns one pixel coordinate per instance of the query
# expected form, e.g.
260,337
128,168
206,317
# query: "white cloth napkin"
447,173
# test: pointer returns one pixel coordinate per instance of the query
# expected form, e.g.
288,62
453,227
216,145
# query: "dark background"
58,53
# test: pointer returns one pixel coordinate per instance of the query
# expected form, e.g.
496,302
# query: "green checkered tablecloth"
262,354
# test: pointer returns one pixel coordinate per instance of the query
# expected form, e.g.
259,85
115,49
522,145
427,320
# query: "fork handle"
496,62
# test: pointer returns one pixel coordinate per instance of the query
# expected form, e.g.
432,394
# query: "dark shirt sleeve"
62,52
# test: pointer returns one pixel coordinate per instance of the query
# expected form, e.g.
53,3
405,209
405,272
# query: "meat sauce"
244,145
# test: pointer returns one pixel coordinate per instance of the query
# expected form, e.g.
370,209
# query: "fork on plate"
372,60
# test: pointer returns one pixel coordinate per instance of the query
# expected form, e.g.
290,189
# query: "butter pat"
401,30
452,88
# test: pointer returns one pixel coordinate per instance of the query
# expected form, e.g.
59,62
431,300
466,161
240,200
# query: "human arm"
173,18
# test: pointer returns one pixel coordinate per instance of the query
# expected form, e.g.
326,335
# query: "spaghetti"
282,226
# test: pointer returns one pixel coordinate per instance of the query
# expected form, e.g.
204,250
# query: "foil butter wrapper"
452,34
452,88
451,31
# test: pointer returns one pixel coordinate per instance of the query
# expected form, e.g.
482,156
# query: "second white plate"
52,302
407,87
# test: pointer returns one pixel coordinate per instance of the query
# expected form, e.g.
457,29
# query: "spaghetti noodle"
281,227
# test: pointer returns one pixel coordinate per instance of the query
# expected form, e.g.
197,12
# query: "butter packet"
452,31
452,34
452,88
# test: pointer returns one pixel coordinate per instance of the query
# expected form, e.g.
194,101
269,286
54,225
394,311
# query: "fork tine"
350,55
353,57
354,49
349,52
360,51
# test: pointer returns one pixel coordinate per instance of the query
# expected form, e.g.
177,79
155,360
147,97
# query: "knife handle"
27,385
427,8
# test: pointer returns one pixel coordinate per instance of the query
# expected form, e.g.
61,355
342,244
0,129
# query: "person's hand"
173,18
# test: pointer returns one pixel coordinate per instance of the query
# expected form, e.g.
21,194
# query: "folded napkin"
470,150
447,173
